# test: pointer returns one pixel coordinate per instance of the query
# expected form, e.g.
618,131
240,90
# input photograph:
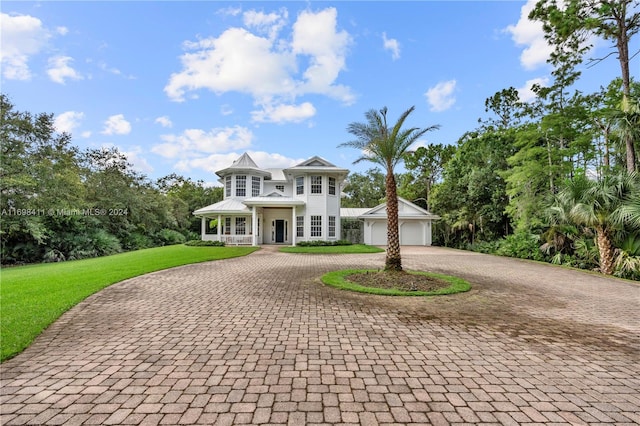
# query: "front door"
279,231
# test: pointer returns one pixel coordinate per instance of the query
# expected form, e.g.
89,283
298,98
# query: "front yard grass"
350,249
34,296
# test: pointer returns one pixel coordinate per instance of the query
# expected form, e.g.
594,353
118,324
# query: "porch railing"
230,240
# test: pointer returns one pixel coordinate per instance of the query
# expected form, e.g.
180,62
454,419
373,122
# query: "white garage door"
411,234
379,233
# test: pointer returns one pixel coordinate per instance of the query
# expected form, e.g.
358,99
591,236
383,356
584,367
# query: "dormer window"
280,188
316,184
241,186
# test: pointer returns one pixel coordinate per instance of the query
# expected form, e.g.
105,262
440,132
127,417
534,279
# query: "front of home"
275,206
291,205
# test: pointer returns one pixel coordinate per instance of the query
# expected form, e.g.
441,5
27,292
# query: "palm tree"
386,146
627,125
609,204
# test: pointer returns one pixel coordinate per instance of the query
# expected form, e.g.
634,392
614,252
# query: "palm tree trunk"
394,260
606,250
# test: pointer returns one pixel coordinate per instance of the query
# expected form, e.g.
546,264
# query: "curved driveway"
260,340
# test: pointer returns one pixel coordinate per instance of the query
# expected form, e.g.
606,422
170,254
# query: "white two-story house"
275,206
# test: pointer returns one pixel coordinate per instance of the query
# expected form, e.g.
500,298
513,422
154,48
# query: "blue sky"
187,87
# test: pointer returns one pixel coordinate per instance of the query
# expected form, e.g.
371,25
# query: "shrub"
135,241
169,237
522,245
104,243
200,243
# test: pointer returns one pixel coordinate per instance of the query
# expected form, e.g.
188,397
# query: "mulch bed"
397,280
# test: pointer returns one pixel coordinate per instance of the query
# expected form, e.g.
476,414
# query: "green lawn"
355,248
34,296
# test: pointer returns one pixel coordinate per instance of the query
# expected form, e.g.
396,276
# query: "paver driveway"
260,340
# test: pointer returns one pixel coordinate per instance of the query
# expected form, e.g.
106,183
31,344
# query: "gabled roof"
227,206
315,161
244,164
406,210
316,164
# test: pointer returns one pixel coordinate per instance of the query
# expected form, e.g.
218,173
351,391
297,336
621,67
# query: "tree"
39,174
425,166
364,190
569,26
507,107
472,197
386,146
609,204
185,196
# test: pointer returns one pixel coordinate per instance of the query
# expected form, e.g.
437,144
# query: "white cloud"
284,113
86,134
267,68
59,69
392,45
68,121
192,142
236,61
316,35
440,96
62,30
22,37
135,156
530,34
116,125
229,11
164,121
526,94
266,23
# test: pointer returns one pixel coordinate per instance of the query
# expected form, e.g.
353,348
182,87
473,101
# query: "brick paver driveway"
260,340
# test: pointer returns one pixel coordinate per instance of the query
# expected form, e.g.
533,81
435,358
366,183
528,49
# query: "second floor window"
299,185
227,186
241,186
332,186
316,184
255,186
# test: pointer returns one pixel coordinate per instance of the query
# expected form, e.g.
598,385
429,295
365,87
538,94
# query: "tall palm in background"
386,146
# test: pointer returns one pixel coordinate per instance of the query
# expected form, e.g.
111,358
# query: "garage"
415,224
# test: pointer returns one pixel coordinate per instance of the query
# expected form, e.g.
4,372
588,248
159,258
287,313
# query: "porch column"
203,227
254,226
219,227
294,226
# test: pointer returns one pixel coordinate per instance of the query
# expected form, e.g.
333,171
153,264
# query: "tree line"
59,203
552,180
